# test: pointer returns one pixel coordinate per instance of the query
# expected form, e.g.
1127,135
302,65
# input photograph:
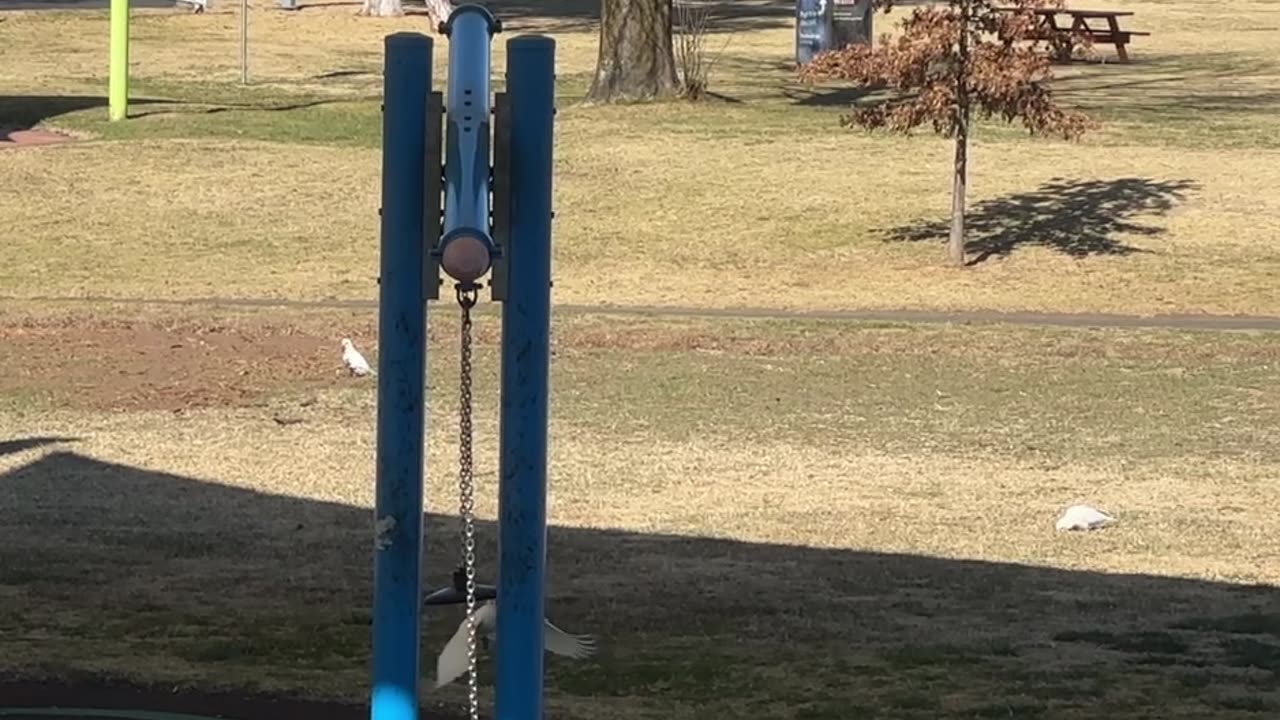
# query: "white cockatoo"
355,362
452,662
1083,517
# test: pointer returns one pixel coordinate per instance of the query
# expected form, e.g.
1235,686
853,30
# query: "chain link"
466,490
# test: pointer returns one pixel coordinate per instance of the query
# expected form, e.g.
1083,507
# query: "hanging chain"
466,489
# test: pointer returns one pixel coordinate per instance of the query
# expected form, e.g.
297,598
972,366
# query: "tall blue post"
526,359
401,365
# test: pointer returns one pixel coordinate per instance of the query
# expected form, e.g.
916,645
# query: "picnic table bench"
1061,36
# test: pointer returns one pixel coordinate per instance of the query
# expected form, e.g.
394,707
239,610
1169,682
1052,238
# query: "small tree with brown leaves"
950,62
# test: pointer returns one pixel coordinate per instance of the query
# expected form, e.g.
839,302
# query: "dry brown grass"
760,203
760,518
755,516
182,219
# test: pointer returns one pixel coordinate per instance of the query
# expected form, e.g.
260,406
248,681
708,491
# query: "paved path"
1107,320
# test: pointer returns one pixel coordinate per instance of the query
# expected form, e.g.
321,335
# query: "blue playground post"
402,319
410,262
526,362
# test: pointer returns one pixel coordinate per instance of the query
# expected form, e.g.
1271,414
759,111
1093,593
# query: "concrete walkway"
1100,320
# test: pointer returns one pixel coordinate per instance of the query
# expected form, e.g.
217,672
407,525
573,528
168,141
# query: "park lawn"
777,518
756,199
756,517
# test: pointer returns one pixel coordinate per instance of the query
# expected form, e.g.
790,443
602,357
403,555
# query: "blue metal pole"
526,364
466,197
402,316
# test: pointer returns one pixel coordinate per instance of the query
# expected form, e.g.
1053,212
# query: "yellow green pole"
118,83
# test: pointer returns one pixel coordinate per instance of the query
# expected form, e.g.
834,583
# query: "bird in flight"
452,662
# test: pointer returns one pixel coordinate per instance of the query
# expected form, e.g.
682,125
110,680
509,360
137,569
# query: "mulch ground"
128,365
20,138
101,694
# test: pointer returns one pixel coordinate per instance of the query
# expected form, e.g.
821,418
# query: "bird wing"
1083,517
1097,518
452,662
562,643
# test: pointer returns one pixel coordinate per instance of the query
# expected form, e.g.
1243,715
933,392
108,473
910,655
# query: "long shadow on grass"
727,15
1162,87
201,109
1077,217
101,561
17,445
23,112
735,16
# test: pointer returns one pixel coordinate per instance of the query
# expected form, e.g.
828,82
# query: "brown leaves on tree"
969,56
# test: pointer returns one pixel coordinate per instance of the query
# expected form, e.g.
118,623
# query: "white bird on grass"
355,362
1083,517
452,662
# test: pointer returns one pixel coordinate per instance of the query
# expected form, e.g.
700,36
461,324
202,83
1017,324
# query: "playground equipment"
432,221
118,65
118,71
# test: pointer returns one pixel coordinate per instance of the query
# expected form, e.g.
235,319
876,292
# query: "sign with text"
823,25
813,29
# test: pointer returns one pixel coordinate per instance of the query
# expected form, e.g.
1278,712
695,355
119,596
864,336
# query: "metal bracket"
433,199
456,593
500,206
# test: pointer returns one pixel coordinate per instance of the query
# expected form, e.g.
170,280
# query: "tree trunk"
955,243
382,8
636,60
439,10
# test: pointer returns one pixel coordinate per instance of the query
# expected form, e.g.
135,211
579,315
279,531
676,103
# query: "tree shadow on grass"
580,15
1080,218
198,584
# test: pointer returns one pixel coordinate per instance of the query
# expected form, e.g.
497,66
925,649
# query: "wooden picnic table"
1061,37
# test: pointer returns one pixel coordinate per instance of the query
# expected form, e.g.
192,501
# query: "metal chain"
466,489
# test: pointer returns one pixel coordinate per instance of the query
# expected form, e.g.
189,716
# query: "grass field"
777,518
764,517
1161,211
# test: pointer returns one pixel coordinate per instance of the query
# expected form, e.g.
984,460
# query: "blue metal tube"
402,315
526,363
467,106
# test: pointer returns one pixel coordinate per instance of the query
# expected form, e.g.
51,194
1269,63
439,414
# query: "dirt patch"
108,695
18,138
123,365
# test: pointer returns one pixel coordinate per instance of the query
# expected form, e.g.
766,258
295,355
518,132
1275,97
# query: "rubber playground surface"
74,700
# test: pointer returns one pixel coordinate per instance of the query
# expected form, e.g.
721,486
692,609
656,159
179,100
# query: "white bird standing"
355,362
452,662
1083,517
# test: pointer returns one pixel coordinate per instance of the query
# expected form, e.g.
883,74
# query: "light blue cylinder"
526,362
467,107
397,592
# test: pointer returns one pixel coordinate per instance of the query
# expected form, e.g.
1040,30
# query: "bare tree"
382,8
950,62
693,24
636,61
437,10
